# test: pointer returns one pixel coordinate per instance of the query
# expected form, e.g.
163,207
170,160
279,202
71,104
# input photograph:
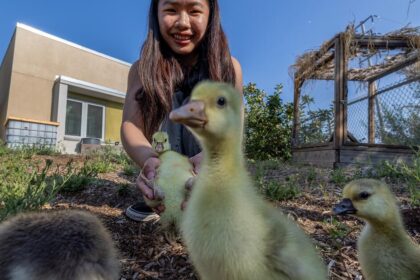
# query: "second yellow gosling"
385,250
173,173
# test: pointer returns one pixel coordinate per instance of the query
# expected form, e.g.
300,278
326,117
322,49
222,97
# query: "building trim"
92,89
10,118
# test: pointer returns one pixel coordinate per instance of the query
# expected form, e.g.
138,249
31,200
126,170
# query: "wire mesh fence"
396,110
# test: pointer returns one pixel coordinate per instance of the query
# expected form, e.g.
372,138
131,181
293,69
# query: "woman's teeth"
182,37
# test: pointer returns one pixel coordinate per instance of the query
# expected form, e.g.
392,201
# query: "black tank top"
180,138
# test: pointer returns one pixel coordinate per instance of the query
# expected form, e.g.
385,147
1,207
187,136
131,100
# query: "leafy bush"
76,180
268,126
21,190
402,171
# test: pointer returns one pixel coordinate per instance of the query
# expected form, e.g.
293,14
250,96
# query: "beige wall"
5,74
37,61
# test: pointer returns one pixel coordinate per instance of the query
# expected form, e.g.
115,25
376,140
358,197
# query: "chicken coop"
357,99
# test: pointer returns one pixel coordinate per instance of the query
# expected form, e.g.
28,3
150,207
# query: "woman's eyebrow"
174,2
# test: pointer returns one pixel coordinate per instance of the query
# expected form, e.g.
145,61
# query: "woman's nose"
183,20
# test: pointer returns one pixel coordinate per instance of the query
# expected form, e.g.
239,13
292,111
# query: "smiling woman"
185,45
183,24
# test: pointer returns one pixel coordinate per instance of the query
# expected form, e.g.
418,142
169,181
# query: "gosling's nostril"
191,109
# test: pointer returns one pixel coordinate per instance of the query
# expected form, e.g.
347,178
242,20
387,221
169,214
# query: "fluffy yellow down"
386,252
172,174
231,233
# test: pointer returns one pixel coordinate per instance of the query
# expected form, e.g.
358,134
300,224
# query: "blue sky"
265,36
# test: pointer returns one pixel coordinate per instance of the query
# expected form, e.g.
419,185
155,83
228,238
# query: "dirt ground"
145,253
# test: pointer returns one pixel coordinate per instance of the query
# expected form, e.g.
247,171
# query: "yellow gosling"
386,252
172,175
231,233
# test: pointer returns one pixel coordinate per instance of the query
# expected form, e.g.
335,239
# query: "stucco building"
55,92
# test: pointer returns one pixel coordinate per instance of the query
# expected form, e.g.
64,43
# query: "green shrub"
77,180
21,190
268,124
338,177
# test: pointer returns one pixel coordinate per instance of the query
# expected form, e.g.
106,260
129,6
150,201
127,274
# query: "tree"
268,126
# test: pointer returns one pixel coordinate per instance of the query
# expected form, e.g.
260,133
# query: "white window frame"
84,120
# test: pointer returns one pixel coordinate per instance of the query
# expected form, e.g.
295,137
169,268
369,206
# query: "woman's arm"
132,137
238,74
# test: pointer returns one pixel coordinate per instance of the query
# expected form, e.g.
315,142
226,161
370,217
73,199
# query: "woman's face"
183,23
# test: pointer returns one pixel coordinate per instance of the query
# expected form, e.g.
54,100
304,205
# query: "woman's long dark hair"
160,72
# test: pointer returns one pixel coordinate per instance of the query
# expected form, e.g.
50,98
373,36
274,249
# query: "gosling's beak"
344,207
191,114
159,147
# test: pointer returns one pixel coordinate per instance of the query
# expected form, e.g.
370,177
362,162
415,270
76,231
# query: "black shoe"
140,212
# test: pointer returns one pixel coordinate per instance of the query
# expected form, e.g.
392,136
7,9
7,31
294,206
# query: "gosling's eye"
166,140
364,195
221,102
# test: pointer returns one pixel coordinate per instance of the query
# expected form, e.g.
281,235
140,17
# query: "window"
84,119
74,118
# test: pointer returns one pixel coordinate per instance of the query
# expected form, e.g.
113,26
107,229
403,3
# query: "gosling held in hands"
173,173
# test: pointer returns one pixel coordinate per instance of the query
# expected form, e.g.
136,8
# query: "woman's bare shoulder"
238,73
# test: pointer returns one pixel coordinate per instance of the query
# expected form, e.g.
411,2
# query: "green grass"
278,191
21,190
26,184
338,177
123,189
311,176
336,229
130,169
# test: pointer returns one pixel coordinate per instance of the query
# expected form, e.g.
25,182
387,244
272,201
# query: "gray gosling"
386,252
169,185
56,245
230,232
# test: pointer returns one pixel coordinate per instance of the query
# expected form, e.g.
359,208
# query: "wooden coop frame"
341,150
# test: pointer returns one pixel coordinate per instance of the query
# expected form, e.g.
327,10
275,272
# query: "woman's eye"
221,102
195,12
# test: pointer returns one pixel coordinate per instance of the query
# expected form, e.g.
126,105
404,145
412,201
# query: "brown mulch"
145,252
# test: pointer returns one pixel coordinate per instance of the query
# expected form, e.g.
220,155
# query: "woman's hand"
196,162
145,181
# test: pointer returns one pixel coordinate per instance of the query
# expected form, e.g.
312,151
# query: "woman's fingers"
159,209
144,188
